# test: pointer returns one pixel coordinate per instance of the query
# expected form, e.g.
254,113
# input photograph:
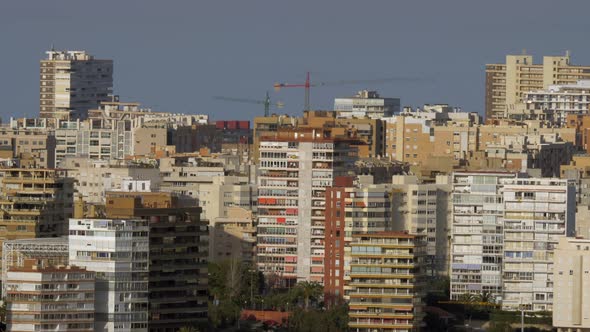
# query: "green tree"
316,320
309,291
486,297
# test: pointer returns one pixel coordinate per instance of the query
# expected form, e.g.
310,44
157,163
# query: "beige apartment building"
73,82
233,236
352,207
208,183
34,203
571,285
507,83
384,282
94,178
368,132
36,144
423,210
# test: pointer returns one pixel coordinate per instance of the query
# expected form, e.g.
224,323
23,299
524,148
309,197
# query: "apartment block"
351,208
209,183
192,138
365,134
477,233
73,82
59,298
44,252
439,130
384,282
581,124
35,202
294,170
35,143
366,104
538,212
507,83
94,178
571,294
233,237
178,279
83,139
579,171
423,209
117,250
559,101
149,138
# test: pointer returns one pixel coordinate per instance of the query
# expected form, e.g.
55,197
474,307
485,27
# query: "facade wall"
118,251
73,82
294,173
35,203
384,282
537,213
149,139
50,299
507,83
477,233
422,209
571,297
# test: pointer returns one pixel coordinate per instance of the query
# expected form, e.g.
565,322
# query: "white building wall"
118,251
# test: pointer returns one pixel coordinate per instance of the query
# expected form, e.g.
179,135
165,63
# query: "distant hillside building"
72,82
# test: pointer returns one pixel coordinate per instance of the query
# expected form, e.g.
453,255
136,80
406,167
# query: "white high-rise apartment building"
295,169
561,100
538,212
477,233
504,233
571,283
117,250
73,82
366,104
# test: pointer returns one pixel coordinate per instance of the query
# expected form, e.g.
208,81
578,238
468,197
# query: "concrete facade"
477,233
366,104
507,83
538,212
295,168
72,82
50,299
571,297
423,209
384,282
117,250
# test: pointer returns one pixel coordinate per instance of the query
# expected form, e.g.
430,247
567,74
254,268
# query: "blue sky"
176,55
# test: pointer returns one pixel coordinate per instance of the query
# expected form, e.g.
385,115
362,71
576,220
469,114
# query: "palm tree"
486,297
468,298
310,290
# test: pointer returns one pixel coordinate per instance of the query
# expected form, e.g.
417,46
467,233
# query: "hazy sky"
176,55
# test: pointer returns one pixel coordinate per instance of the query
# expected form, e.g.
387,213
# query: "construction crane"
266,102
307,85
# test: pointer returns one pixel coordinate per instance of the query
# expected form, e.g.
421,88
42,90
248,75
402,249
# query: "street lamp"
522,309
